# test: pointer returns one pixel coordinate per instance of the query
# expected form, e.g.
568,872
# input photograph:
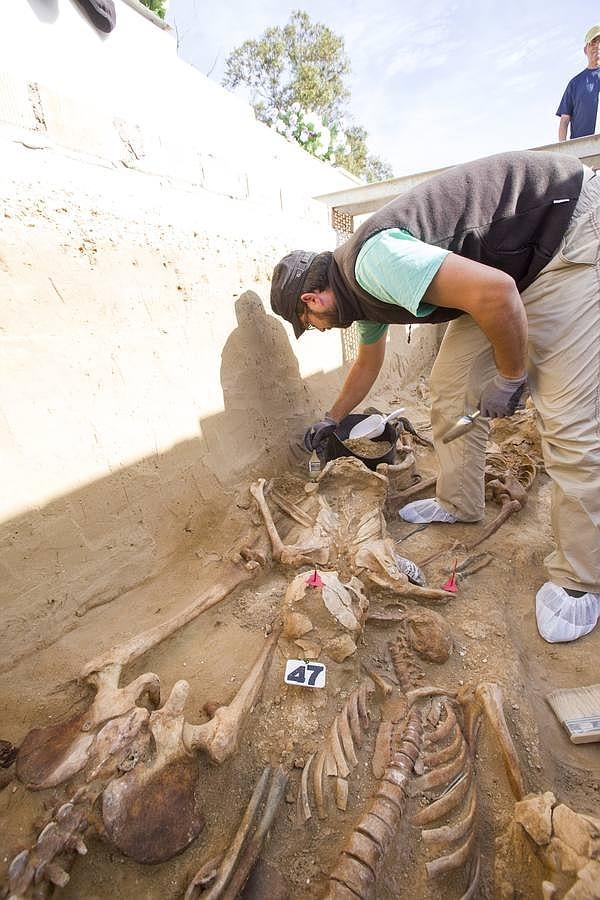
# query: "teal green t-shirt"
396,268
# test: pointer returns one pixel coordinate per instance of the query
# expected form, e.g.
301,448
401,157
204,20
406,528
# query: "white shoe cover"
561,617
420,512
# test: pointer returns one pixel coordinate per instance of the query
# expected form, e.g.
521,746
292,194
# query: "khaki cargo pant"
563,313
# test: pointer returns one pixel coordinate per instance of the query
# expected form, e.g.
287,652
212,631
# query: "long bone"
154,811
239,859
313,552
50,755
220,736
509,506
490,696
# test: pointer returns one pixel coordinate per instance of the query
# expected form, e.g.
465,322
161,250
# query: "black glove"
318,433
501,396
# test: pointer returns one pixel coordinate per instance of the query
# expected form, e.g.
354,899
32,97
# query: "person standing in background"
579,105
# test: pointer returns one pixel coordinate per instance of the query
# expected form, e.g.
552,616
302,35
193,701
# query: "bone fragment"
549,890
473,564
363,709
435,710
204,877
219,737
341,793
389,469
338,601
257,489
490,696
346,737
330,768
354,719
318,784
303,810
428,634
386,615
342,767
384,684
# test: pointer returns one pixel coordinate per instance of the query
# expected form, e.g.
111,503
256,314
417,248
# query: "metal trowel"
464,424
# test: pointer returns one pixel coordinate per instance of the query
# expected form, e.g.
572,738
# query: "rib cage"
360,861
337,758
450,772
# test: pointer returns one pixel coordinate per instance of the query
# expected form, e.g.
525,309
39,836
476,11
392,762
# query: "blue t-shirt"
580,102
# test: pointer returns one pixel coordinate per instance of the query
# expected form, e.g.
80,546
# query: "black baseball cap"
287,285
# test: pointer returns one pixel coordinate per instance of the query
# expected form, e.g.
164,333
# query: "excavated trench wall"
143,376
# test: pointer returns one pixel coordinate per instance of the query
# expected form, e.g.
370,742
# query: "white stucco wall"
143,377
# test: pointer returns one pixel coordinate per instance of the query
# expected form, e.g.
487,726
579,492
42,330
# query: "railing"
367,198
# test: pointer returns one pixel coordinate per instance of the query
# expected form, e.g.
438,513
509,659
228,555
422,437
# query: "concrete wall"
143,378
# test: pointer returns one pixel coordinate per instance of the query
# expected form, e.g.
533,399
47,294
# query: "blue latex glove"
318,433
501,396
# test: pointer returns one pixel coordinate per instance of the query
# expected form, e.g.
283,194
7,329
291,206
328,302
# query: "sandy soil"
495,639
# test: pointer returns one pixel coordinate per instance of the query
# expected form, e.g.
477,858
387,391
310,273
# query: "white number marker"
306,674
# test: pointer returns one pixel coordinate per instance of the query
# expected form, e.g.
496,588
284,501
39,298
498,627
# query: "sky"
434,83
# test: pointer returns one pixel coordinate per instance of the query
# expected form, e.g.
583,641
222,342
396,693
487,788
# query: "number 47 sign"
306,674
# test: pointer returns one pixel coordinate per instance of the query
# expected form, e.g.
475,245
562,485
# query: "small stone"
296,625
516,706
340,648
310,649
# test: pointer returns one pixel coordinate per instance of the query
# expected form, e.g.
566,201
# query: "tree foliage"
299,70
156,6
